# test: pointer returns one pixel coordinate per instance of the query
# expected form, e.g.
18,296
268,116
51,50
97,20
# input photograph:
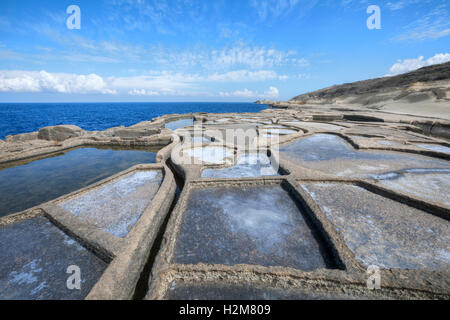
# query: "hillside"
424,92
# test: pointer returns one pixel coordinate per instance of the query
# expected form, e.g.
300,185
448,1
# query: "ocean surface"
18,118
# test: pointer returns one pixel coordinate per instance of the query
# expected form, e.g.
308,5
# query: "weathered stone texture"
60,133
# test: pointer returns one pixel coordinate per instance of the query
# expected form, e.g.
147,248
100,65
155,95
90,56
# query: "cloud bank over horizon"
408,65
157,85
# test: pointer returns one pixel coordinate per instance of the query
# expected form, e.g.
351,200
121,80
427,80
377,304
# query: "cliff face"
424,92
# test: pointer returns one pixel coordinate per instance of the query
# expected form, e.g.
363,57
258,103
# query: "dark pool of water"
29,184
174,125
254,225
34,258
333,155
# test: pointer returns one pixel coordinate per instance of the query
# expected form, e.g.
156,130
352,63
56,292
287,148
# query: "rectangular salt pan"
269,132
250,165
116,206
333,155
34,257
384,232
214,155
428,184
255,225
173,125
30,184
200,139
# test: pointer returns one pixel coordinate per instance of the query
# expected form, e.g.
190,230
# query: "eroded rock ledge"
424,93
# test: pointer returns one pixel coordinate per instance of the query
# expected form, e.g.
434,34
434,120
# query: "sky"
210,50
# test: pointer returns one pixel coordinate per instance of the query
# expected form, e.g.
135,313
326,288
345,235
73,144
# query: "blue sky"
210,50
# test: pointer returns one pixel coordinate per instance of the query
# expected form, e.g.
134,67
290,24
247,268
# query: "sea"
18,118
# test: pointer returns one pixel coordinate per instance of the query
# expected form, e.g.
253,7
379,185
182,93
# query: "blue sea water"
18,118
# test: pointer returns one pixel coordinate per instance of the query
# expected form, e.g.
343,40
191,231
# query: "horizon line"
2,102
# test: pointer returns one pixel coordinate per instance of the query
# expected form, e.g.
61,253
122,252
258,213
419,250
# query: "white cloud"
439,58
394,6
407,65
42,81
434,24
272,93
398,5
281,8
156,83
304,76
143,92
239,93
237,55
243,76
254,57
162,16
157,80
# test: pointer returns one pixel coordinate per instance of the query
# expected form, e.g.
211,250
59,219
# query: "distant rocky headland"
423,92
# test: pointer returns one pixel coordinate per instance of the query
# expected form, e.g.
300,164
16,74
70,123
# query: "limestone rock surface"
60,133
22,137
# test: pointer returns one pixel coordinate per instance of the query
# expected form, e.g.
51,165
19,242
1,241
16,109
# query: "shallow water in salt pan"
196,139
177,124
254,225
214,155
431,184
34,257
383,232
332,154
249,165
267,132
29,184
116,206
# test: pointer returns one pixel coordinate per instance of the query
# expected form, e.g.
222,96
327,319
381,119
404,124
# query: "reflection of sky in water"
199,139
322,147
431,184
210,154
116,206
28,185
257,218
253,225
34,257
332,154
173,125
381,231
249,165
